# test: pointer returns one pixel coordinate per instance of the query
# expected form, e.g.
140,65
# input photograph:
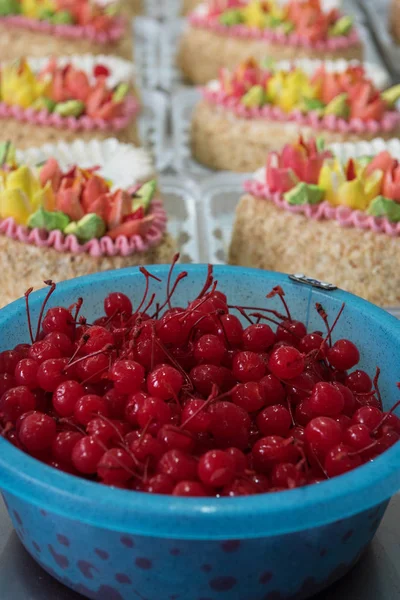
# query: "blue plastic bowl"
111,544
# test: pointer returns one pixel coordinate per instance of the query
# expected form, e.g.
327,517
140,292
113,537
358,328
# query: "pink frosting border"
389,122
104,246
346,217
274,37
84,123
113,34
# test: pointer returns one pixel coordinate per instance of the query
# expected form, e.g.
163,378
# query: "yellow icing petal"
24,180
44,198
373,184
330,179
14,203
352,194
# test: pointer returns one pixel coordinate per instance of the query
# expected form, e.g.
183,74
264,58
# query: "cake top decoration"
63,12
305,173
309,21
64,90
78,202
347,94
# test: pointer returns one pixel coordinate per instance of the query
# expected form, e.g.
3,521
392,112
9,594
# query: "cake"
61,99
394,19
189,5
331,214
223,34
252,110
67,210
60,27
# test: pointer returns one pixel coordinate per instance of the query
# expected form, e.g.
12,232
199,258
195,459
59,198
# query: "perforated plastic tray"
153,125
377,12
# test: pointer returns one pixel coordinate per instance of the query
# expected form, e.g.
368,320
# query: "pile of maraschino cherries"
189,400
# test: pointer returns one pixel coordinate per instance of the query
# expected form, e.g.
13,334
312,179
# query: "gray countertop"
375,577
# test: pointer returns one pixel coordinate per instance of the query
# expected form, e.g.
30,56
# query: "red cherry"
271,450
274,420
343,355
248,366
258,338
286,362
326,400
341,459
322,434
216,468
15,402
37,432
86,455
164,382
189,489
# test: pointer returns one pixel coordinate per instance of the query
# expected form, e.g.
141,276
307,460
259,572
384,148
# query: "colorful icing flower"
78,202
18,84
287,89
297,162
36,9
347,186
65,91
22,194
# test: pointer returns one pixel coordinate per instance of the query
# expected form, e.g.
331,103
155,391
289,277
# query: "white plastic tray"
162,9
153,124
170,77
146,34
181,199
378,18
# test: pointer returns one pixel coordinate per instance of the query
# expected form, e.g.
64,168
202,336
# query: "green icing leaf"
320,141
49,220
7,153
384,207
339,106
144,196
46,14
231,17
89,227
312,104
364,161
62,17
44,103
304,193
120,92
341,27
9,7
70,108
255,97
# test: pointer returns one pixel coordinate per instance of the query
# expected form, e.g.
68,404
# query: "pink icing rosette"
347,217
113,34
389,122
104,246
273,37
83,123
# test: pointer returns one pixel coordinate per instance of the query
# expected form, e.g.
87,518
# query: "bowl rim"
156,515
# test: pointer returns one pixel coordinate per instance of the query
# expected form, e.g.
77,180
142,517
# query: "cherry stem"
78,360
49,293
243,313
211,398
376,387
28,313
385,417
278,291
171,293
175,363
277,314
324,317
174,261
208,282
335,322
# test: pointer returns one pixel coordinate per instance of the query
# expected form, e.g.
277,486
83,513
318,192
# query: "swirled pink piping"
112,34
347,217
389,122
104,246
83,123
274,37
